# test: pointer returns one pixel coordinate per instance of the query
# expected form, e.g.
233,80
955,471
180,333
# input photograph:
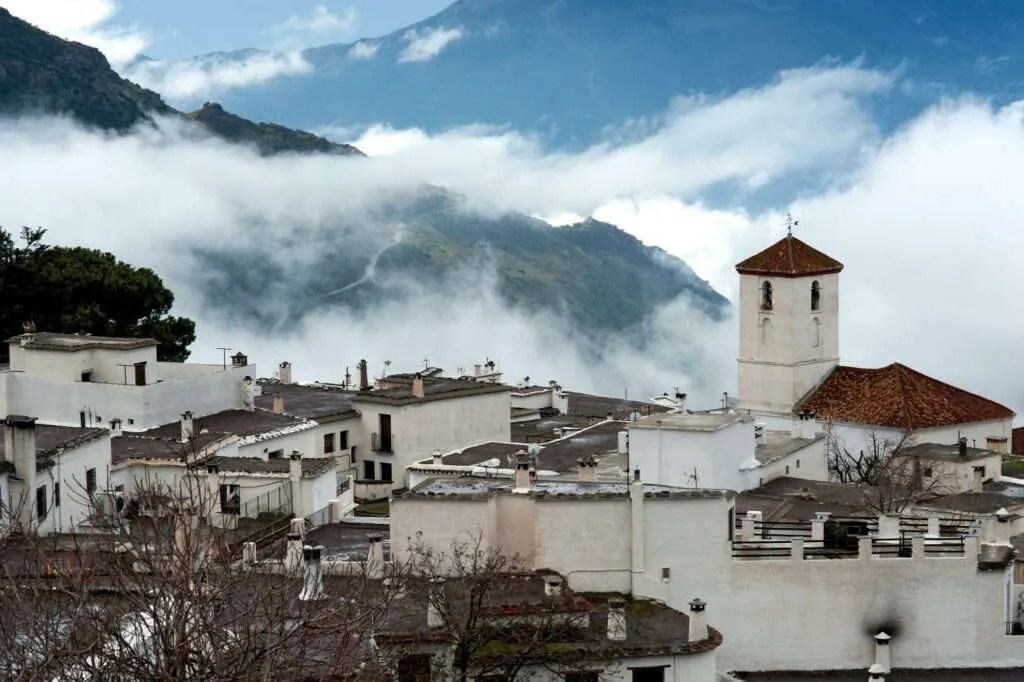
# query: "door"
140,373
385,471
385,433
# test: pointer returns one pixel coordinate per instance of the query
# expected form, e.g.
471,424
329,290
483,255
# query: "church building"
789,363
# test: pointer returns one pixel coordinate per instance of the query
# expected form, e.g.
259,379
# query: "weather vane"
790,224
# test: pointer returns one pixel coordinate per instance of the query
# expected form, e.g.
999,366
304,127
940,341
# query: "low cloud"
319,26
85,21
364,49
422,46
925,221
210,75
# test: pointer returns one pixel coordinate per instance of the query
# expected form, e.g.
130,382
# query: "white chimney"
277,407
1003,529
295,479
115,428
553,585
808,426
617,620
522,473
882,654
978,479
313,575
375,557
637,520
20,448
213,490
249,552
623,442
418,390
248,394
436,458
187,427
284,372
478,369
293,552
435,619
876,673
587,468
698,621
794,428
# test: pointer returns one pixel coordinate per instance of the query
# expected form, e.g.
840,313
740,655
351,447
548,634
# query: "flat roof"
348,540
320,403
985,502
131,446
241,423
779,444
591,405
77,342
50,440
796,499
312,467
946,453
433,389
600,440
477,488
691,421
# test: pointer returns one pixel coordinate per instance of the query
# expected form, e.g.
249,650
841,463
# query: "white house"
86,381
784,604
788,364
48,474
723,450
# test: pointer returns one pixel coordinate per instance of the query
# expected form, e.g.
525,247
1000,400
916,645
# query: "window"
86,377
230,498
119,497
275,454
90,481
41,502
766,296
385,471
798,464
787,470
81,419
650,674
56,494
369,473
414,668
343,440
353,454
815,296
328,443
384,444
581,676
926,472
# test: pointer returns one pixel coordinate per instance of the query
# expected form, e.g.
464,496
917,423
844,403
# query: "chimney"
313,574
758,434
876,673
295,478
522,473
623,443
436,458
882,654
115,428
963,446
617,620
284,372
478,369
248,394
278,405
977,479
417,387
587,468
553,585
1003,529
20,449
213,489
435,619
239,360
375,556
794,428
293,552
808,425
187,427
364,377
698,621
637,523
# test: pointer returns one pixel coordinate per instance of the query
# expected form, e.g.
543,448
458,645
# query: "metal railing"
379,443
273,503
762,549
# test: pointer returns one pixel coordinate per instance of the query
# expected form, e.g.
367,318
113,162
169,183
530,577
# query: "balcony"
382,442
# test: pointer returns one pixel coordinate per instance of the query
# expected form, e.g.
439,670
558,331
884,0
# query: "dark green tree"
79,290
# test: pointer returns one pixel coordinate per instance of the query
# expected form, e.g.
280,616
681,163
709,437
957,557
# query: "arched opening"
766,331
766,296
815,296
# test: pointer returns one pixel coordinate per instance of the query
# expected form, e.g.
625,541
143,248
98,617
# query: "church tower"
789,324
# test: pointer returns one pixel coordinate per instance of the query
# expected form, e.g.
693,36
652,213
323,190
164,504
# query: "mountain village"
825,518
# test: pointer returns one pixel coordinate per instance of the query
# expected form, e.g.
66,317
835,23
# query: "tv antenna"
224,354
790,224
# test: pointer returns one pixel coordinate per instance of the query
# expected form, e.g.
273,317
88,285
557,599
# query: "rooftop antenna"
790,224
348,379
224,354
426,362
387,365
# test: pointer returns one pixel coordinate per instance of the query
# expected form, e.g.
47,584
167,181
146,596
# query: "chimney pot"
187,426
435,457
553,585
364,376
284,372
876,673
698,621
278,404
20,446
883,655
418,390
313,576
617,619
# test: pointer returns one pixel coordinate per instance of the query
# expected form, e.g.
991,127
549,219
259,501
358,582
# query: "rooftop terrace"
308,402
477,488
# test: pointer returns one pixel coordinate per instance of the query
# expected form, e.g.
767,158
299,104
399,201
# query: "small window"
787,469
649,674
354,454
275,454
926,472
766,296
343,440
86,377
230,498
328,443
90,481
798,464
815,296
414,668
385,471
81,419
56,494
369,472
581,676
41,507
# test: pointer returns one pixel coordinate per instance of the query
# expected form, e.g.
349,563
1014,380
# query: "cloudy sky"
927,221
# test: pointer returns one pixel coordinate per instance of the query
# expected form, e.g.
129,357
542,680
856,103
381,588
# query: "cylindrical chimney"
284,372
364,376
187,427
313,575
698,621
20,441
278,404
883,656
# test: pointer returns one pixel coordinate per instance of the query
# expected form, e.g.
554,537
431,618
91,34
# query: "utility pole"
224,353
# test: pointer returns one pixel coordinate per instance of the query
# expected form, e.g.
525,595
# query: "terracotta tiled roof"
899,397
789,257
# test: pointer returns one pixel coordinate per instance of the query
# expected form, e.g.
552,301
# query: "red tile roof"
899,397
789,257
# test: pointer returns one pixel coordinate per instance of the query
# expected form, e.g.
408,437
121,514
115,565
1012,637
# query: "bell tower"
789,323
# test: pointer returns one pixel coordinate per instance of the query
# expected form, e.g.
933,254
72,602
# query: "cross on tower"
790,224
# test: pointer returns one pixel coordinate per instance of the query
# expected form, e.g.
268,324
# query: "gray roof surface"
433,389
130,446
947,453
240,423
478,488
779,444
348,540
77,342
308,402
50,439
589,405
312,467
692,421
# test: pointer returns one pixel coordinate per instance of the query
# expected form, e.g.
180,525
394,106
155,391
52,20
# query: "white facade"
786,350
419,428
787,613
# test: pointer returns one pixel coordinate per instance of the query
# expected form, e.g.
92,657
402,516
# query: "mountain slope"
42,74
569,68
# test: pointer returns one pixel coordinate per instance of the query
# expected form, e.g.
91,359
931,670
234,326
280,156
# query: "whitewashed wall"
670,456
69,470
